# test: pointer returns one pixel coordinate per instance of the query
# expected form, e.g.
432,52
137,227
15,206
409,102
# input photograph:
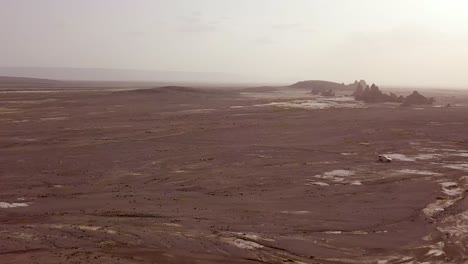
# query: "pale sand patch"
318,183
319,103
400,157
296,212
419,172
348,153
241,243
5,205
451,188
462,166
55,118
436,250
252,236
338,173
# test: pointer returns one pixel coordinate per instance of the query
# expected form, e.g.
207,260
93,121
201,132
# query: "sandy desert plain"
205,175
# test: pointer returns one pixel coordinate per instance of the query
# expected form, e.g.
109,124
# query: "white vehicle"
384,158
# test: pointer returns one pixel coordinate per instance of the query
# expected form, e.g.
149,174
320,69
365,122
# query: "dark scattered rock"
323,91
328,93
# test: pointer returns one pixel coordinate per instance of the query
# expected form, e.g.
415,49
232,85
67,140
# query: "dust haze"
393,43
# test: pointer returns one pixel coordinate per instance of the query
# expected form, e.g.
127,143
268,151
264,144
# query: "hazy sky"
414,42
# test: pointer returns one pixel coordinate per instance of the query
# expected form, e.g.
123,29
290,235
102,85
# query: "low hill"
315,83
171,90
318,86
14,82
123,75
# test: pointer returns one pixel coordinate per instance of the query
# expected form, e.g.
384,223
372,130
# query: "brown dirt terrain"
182,176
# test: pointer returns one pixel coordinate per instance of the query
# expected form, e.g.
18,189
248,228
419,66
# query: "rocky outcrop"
374,95
361,82
417,99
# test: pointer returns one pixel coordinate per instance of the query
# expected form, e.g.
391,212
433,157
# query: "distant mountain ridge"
23,82
18,80
97,74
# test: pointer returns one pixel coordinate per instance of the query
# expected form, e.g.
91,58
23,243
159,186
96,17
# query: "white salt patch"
359,232
252,236
453,192
264,157
338,179
337,232
318,183
463,167
437,207
96,228
21,199
236,106
450,150
53,118
296,212
20,121
419,172
241,243
319,103
337,176
339,173
381,232
334,232
88,228
399,157
436,250
12,205
451,188
449,184
24,236
348,154
402,157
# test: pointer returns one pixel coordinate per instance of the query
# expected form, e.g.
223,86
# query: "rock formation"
417,99
374,95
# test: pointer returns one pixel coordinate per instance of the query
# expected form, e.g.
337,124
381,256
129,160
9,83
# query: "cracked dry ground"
184,177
